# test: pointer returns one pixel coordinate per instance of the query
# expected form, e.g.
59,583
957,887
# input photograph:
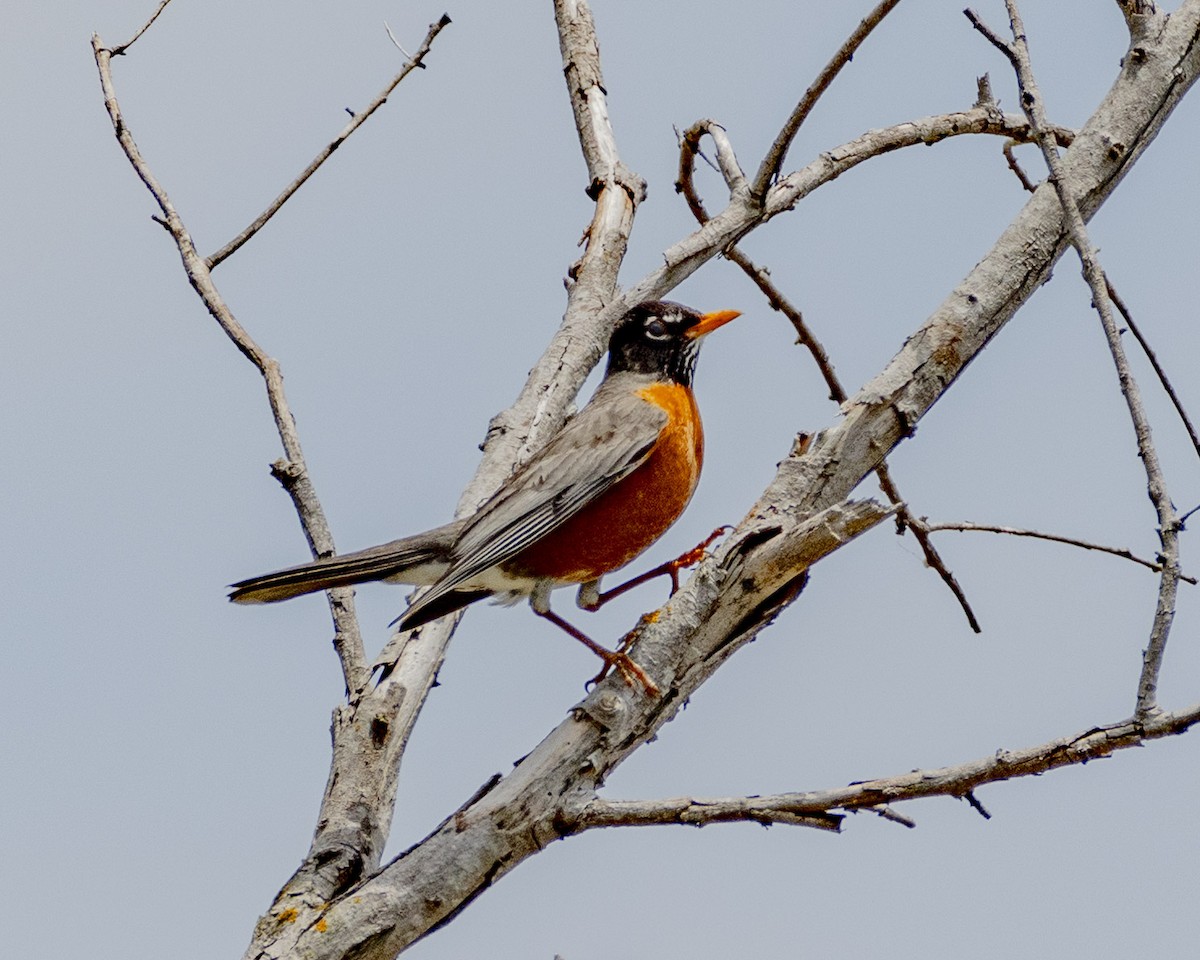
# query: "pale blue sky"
164,752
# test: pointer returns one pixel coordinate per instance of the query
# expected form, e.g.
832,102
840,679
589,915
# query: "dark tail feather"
431,549
422,613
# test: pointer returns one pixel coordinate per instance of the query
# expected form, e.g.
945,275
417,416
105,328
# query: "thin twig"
742,215
1028,185
968,527
1168,524
1062,135
119,51
1127,316
992,36
396,43
291,470
357,121
772,162
726,163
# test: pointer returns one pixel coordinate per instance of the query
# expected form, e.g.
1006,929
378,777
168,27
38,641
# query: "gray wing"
606,441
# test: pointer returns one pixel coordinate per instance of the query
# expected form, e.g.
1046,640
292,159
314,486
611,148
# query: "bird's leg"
618,659
594,600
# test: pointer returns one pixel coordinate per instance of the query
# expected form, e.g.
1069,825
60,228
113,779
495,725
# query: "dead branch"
358,119
1159,371
811,809
968,527
290,470
119,50
772,162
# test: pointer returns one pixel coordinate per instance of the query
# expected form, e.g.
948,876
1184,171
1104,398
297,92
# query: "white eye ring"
656,329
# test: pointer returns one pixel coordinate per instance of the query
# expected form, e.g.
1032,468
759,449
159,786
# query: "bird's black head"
663,338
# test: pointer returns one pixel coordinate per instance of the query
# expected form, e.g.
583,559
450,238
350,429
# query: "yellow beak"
709,322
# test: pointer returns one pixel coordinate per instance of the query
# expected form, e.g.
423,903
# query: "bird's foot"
692,557
629,670
669,569
620,660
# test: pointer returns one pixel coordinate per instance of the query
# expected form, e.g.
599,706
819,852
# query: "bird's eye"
656,329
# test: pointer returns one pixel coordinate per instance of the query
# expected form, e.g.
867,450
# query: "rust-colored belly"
627,518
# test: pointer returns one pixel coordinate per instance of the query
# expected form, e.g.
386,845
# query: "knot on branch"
620,176
287,472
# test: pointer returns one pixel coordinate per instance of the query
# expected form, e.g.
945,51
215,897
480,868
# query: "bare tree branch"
291,470
837,393
1161,373
696,812
743,214
417,60
772,163
119,51
1168,522
805,336
733,595
968,527
372,731
961,780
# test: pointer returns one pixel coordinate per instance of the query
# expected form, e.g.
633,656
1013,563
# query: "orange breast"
628,517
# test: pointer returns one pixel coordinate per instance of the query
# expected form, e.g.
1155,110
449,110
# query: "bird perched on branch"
604,489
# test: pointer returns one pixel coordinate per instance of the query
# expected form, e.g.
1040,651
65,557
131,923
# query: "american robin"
612,481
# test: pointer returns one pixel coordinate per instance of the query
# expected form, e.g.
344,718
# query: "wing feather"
605,442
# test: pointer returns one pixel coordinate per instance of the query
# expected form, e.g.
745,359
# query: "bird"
606,487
